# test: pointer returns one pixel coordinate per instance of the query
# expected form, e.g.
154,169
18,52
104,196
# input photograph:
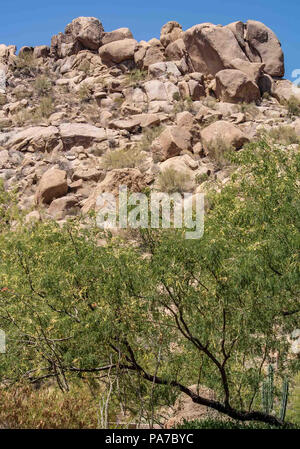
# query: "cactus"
268,391
268,394
284,399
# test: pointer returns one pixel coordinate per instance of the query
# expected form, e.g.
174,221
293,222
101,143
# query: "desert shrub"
200,178
210,102
3,100
42,85
148,136
284,135
21,93
249,109
25,64
84,93
24,407
122,158
45,108
171,180
182,104
293,106
23,116
266,96
135,77
220,152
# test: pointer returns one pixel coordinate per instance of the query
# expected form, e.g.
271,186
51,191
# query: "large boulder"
225,132
264,42
75,134
148,53
53,184
285,89
35,138
130,177
211,48
118,51
254,70
170,32
116,35
175,50
172,141
82,33
41,51
234,86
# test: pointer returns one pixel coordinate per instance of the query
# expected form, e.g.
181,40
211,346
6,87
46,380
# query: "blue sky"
33,22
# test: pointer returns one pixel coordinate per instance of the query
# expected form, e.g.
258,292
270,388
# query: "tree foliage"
163,311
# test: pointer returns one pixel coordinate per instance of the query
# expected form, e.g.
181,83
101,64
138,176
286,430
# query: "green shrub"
46,108
284,135
293,410
182,105
25,64
121,159
85,93
135,77
149,135
42,85
170,181
293,106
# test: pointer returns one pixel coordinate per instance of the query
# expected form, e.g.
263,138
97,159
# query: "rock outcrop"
98,109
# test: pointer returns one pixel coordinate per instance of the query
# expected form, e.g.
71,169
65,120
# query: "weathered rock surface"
265,43
118,51
53,184
234,86
211,48
223,132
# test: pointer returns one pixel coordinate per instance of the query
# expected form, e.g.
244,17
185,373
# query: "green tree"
165,312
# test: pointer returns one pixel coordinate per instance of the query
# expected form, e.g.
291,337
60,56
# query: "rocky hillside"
97,109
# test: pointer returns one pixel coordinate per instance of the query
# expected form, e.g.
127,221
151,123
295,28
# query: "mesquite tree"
159,310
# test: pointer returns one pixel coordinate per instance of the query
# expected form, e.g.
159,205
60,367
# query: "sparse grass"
182,105
122,159
249,109
136,77
42,85
21,93
84,93
23,407
149,135
171,181
25,64
210,102
283,135
199,179
46,108
219,151
3,99
22,117
266,96
293,106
